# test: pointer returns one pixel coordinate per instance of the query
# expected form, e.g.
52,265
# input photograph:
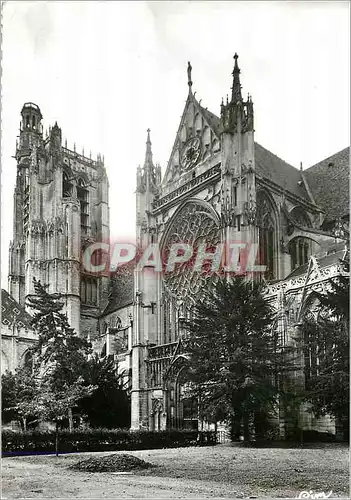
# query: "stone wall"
14,345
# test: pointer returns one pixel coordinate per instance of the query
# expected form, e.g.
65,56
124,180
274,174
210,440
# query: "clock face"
191,153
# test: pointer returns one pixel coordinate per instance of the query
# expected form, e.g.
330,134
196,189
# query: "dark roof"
271,167
122,289
325,261
328,181
213,120
268,165
13,311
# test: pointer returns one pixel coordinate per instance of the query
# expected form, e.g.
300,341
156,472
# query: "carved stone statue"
189,74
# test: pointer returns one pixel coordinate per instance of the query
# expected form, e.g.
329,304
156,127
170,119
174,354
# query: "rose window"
195,224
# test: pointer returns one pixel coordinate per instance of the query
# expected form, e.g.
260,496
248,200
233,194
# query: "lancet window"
300,251
83,197
66,186
88,290
266,234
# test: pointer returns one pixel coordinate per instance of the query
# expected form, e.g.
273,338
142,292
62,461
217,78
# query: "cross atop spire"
236,89
190,83
237,115
148,154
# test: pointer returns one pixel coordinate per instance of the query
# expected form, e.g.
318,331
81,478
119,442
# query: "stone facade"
16,334
219,186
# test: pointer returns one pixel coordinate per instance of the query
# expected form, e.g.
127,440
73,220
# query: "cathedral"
219,186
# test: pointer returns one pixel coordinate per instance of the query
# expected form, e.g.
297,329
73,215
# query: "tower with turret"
238,191
60,207
145,284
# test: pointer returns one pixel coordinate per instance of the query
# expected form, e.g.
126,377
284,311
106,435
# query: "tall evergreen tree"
236,357
60,354
59,350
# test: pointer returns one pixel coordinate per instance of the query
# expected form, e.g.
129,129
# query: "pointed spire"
190,83
236,89
148,154
66,143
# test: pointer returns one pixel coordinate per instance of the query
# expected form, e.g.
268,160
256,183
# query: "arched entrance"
182,406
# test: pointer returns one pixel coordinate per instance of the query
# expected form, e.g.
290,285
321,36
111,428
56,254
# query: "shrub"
101,440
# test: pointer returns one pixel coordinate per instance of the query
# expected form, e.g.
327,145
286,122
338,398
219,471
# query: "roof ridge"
206,109
278,157
328,158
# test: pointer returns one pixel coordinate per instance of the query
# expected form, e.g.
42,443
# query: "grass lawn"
226,471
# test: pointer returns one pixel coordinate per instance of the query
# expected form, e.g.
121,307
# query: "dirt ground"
223,471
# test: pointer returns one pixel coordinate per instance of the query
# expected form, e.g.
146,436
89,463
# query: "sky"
108,71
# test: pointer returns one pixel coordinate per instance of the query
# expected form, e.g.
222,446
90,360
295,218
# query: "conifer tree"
60,354
58,348
236,358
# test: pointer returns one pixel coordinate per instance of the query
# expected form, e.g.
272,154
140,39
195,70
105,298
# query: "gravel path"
222,471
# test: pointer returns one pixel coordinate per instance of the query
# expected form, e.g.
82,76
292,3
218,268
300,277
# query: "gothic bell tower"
60,207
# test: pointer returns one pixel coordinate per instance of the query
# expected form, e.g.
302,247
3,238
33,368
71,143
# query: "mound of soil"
111,463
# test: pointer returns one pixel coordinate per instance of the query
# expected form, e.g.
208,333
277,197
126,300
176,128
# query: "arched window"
266,233
118,323
66,186
33,122
89,290
166,322
315,343
300,251
103,351
28,360
83,197
83,291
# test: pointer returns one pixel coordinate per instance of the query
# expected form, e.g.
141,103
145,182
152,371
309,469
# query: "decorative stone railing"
212,172
80,158
298,282
161,351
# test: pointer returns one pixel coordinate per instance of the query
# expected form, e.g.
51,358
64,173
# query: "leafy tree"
17,387
109,405
235,357
49,404
60,354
